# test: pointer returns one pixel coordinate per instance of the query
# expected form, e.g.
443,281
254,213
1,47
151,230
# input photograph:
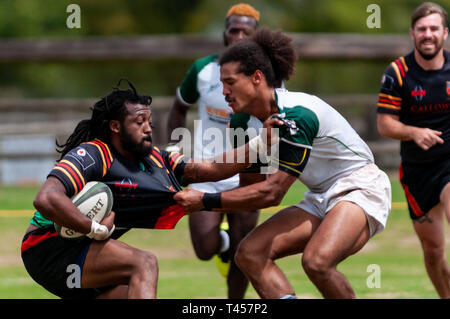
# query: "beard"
427,55
137,149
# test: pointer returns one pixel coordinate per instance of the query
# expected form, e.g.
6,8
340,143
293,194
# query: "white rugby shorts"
368,187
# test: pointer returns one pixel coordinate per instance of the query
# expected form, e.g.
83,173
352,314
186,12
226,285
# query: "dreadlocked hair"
110,107
269,51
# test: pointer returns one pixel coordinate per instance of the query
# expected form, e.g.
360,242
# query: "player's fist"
104,230
426,138
190,199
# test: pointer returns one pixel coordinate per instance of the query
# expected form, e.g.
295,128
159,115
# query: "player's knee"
433,252
203,252
151,262
146,262
315,264
445,194
242,260
246,257
203,256
205,248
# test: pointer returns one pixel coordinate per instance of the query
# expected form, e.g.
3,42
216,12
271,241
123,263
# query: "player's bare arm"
260,195
246,179
232,162
390,126
221,167
53,203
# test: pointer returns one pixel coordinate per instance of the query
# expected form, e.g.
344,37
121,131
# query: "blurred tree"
25,18
312,15
118,17
47,18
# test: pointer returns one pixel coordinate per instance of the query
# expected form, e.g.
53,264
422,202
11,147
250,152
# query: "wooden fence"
58,117
309,46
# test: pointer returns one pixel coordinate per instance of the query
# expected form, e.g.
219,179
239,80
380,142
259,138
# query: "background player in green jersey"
413,107
202,86
349,198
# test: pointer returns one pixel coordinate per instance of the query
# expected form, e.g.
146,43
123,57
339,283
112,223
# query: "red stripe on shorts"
410,198
33,240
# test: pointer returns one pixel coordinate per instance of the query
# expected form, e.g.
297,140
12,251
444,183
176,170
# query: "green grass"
17,197
181,275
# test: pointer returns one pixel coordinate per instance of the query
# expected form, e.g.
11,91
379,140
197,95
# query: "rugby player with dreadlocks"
115,147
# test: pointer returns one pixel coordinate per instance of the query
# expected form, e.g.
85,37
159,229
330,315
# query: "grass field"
182,276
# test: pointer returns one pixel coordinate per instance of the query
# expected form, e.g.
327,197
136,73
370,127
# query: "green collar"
276,100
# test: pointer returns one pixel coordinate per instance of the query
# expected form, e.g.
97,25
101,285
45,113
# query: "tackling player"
349,197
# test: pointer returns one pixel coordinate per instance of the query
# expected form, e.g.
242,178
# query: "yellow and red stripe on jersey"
156,157
389,101
175,159
105,154
400,69
72,173
76,170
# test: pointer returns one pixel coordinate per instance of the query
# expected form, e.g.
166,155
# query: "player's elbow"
41,205
382,129
273,189
40,201
43,202
385,125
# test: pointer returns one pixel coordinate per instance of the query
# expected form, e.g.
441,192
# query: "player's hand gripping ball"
95,201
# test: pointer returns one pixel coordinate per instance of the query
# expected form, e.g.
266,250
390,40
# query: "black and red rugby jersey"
143,193
420,98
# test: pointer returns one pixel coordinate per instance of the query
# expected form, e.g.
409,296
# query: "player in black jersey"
414,107
114,147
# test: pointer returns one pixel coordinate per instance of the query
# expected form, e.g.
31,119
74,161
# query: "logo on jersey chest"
448,87
418,93
218,115
126,185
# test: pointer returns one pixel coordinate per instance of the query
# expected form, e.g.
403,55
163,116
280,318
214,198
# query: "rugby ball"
95,201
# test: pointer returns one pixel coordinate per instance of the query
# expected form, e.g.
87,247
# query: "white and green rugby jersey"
202,84
317,145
